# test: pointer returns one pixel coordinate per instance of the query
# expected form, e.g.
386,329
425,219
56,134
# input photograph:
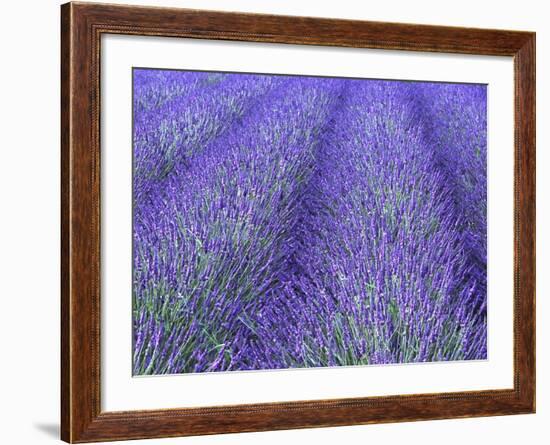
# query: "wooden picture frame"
82,25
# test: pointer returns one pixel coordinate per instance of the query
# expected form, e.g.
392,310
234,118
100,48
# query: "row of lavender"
297,222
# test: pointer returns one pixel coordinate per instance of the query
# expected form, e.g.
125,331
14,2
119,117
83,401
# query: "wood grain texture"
65,227
81,28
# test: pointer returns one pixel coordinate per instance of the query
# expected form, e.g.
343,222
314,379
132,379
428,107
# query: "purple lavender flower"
296,222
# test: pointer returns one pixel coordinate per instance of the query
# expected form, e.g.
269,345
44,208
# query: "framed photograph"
274,222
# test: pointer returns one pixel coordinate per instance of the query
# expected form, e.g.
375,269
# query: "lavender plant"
297,222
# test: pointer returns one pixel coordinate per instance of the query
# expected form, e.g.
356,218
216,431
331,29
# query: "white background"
121,392
29,235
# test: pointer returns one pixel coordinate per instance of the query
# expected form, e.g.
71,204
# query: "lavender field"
290,222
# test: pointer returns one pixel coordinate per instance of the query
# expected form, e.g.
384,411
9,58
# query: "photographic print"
299,221
247,247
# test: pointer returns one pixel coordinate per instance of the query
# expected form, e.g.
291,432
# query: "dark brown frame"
82,25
